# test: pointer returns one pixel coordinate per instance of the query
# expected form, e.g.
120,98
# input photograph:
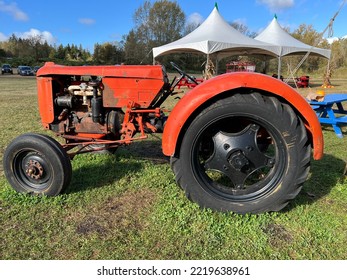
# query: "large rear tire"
247,153
37,164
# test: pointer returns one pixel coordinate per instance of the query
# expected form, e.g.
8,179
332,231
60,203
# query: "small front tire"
37,164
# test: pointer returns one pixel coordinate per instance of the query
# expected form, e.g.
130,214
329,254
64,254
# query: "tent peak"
275,16
216,6
216,35
274,34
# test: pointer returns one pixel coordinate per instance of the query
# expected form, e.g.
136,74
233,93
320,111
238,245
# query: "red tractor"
239,142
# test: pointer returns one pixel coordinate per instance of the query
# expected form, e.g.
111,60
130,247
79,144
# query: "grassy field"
128,206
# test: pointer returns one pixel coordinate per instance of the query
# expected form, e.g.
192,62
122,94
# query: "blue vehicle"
6,69
25,71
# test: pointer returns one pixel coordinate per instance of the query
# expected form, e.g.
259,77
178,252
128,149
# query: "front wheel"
247,153
37,164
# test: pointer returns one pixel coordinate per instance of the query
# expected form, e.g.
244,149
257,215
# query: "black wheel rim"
32,170
239,158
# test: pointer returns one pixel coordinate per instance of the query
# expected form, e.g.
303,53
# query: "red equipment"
240,66
189,84
303,81
239,142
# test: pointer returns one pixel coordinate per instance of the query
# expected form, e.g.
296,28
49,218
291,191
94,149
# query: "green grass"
128,206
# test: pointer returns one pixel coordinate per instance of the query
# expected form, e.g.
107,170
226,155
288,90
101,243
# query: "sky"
88,22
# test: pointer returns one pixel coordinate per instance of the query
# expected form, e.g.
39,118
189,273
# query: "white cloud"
195,19
333,39
44,35
13,11
3,37
277,5
86,21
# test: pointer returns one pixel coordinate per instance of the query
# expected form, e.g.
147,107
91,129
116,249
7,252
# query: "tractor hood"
124,71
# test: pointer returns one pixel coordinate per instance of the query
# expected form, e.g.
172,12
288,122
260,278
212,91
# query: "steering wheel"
183,74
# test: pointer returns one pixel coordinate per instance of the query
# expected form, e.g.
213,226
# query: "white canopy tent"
288,45
217,36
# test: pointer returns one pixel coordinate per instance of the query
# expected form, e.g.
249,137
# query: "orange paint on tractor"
234,81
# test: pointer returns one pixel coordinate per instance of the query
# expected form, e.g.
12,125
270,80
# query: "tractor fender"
209,89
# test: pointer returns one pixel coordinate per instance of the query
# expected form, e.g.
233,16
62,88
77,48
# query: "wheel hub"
34,169
238,160
238,156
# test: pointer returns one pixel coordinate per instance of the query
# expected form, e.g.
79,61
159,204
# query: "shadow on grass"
126,163
147,150
108,169
325,174
130,160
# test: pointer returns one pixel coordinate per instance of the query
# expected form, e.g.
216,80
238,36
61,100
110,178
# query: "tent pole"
207,59
217,64
279,67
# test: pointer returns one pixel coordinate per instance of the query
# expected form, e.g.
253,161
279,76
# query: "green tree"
132,48
308,35
108,53
60,53
155,25
34,51
166,22
2,53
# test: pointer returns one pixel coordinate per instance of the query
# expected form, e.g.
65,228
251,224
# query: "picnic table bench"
330,111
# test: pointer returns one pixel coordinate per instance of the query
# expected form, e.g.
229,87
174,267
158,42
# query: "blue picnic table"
330,111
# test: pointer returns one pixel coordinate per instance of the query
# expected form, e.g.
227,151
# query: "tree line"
156,24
